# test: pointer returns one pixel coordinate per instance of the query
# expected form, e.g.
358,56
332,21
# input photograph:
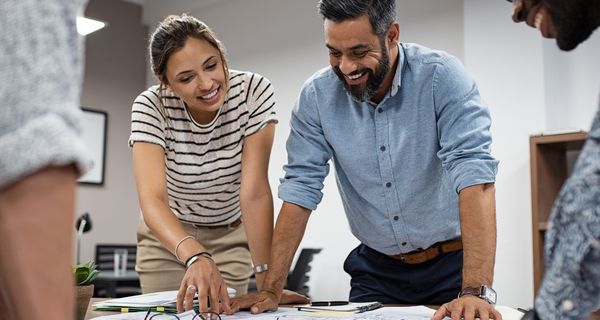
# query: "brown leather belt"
420,256
224,226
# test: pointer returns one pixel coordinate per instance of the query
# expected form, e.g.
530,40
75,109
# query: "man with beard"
571,285
409,137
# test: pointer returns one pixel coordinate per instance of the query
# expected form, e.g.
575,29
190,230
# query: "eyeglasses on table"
154,315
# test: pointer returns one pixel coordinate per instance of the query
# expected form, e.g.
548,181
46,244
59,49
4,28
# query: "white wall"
506,60
529,86
114,76
572,84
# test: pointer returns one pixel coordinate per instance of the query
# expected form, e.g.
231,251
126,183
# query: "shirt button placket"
385,167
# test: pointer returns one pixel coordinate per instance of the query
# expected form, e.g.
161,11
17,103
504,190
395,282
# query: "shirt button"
567,305
379,110
396,218
389,184
403,243
382,148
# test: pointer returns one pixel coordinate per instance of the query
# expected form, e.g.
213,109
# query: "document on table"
164,299
385,313
391,313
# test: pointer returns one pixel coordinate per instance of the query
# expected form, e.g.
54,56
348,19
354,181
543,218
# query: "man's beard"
571,25
362,92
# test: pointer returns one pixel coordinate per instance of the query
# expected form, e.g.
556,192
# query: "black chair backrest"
104,256
298,278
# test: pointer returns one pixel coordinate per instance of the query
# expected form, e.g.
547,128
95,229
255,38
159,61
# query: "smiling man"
409,137
571,286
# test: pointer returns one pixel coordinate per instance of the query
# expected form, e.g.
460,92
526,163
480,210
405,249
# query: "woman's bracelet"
195,257
179,243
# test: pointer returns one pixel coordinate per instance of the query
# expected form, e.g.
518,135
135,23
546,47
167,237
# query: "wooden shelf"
552,158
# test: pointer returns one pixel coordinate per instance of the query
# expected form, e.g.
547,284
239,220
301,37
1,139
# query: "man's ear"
393,33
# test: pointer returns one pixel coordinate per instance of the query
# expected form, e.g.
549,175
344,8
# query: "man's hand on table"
266,301
467,307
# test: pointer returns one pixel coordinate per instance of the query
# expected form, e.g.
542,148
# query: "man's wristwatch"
484,292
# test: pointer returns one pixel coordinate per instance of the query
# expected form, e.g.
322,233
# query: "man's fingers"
468,313
246,301
467,309
233,307
262,306
456,312
497,315
440,313
484,316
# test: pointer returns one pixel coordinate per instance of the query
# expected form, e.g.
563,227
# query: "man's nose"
518,11
347,65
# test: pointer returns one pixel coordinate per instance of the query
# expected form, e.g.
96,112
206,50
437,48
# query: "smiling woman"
201,144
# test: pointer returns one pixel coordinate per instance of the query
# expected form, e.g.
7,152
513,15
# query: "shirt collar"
397,82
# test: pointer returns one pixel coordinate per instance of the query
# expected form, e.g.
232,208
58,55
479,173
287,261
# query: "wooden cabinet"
552,158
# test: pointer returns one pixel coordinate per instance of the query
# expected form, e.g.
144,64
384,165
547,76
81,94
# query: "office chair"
297,278
106,284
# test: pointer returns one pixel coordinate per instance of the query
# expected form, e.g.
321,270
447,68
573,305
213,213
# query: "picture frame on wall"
94,125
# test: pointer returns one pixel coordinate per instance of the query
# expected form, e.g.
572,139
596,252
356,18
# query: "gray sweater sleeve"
40,76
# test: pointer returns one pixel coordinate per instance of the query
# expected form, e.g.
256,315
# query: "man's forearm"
289,230
478,227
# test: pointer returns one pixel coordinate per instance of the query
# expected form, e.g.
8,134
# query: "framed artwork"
94,126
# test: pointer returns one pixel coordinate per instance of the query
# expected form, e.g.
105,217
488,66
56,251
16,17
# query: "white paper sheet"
386,313
162,298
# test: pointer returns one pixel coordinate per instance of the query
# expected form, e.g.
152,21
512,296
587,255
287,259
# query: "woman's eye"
211,66
185,79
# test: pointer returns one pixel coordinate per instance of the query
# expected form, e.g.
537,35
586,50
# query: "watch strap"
470,291
483,292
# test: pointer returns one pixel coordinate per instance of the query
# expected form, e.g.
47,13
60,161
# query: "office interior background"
528,84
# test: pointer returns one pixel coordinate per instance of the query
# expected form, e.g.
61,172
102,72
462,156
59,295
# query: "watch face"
488,294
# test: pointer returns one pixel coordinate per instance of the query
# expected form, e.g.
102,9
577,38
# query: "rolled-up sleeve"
463,123
308,154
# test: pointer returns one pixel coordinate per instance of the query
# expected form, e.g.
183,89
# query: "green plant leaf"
85,273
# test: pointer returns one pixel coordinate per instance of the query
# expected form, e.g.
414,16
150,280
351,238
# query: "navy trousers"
377,277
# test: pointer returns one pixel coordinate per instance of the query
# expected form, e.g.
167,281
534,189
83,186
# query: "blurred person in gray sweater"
41,156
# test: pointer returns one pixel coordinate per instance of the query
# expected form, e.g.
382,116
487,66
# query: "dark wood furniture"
552,158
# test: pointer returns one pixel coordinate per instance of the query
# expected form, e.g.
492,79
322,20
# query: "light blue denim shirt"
400,163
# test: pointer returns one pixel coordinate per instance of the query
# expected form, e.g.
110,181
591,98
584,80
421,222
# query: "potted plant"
84,277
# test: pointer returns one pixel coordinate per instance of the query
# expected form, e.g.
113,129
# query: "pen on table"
328,303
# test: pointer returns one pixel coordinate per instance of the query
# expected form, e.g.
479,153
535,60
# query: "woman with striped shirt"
201,144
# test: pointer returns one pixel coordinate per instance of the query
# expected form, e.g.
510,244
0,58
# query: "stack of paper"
163,301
